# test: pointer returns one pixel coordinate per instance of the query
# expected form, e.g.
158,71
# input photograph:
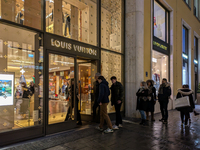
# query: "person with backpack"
103,101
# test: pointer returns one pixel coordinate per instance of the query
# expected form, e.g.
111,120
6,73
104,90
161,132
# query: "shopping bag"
182,102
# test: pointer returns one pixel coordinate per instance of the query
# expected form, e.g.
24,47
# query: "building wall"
179,11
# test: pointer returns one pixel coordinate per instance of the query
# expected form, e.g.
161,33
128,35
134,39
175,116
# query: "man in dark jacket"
96,96
116,100
103,101
163,98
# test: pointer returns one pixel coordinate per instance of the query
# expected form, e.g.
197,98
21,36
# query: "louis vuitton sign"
77,48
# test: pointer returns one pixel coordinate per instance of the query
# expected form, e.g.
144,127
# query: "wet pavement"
156,136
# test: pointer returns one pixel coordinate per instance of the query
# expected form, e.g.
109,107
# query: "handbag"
182,102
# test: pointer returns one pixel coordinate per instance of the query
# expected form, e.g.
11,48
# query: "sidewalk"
156,136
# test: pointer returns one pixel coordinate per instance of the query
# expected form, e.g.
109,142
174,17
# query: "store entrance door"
86,81
61,114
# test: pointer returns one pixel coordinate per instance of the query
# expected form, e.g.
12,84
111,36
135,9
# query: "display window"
159,68
111,25
24,12
159,22
74,19
111,65
21,78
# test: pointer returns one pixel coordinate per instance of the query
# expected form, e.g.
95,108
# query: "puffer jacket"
116,92
183,93
164,92
104,92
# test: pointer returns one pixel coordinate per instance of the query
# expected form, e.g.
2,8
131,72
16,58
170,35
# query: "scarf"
160,91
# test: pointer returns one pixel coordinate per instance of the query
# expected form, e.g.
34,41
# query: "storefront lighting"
185,56
22,71
195,61
154,60
165,64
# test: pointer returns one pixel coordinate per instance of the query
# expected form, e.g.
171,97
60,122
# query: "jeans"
142,114
67,25
118,114
185,114
104,116
163,109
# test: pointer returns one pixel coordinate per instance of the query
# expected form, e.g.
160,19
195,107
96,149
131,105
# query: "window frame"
185,60
188,4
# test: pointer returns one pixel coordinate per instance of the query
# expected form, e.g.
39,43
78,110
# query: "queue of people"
146,100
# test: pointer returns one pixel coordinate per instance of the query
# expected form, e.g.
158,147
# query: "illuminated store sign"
73,47
160,45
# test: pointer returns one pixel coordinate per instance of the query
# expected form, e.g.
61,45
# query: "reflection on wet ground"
156,136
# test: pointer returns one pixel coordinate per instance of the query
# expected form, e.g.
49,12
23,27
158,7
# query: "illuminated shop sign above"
73,47
159,45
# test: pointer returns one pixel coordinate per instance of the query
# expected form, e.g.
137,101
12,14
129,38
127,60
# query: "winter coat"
164,92
183,93
152,98
116,93
142,100
104,92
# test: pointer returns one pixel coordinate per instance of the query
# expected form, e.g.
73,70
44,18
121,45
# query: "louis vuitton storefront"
46,46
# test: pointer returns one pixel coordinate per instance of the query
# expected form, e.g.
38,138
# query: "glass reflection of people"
32,90
70,98
25,100
96,96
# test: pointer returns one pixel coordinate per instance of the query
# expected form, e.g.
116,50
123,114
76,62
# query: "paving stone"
156,136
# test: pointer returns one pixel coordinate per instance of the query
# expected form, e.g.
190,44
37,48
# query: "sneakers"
100,129
164,121
108,130
120,126
115,127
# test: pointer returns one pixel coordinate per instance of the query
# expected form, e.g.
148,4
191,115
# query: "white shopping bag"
182,102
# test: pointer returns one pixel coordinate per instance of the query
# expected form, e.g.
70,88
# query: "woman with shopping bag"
184,95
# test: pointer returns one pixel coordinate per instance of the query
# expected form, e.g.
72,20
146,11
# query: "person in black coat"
116,100
185,111
142,101
152,99
164,93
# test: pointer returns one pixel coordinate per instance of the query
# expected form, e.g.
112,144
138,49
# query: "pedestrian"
164,93
152,99
103,101
185,111
116,100
142,102
96,95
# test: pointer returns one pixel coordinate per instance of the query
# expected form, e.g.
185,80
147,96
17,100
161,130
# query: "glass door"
61,93
86,81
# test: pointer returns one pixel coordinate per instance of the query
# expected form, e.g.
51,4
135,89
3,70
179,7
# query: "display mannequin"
67,24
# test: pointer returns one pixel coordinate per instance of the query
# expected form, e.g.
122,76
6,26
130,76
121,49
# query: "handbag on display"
182,102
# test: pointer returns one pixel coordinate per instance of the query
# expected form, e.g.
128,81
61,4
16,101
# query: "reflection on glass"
111,65
159,21
21,96
24,12
159,68
111,17
86,79
61,88
75,19
185,77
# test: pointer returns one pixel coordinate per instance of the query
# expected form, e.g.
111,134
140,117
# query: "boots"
142,121
152,116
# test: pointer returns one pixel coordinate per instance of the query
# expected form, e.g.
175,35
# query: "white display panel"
6,89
